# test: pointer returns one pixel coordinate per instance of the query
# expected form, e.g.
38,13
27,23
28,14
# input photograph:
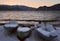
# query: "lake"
30,15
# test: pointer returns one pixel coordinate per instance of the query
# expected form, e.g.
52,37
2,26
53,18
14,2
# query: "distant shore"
55,7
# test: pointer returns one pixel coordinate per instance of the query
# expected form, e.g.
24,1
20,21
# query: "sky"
30,3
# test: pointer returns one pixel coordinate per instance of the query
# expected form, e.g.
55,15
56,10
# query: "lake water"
30,15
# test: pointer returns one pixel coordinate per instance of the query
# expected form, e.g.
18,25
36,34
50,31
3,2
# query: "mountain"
51,8
55,7
16,8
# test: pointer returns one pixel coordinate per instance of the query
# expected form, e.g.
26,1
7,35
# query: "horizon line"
28,6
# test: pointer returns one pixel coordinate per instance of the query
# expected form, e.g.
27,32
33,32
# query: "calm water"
30,15
36,15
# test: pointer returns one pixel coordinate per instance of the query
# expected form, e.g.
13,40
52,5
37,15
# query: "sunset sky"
30,3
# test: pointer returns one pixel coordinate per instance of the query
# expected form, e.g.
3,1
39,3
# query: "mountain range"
16,8
55,7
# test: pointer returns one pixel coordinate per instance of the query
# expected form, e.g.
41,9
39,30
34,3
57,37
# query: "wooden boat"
11,26
23,33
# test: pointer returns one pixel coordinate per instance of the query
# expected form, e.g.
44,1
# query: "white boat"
46,31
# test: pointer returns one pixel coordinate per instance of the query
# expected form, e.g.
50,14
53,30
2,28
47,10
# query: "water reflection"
30,15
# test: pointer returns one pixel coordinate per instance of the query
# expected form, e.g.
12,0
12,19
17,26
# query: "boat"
23,33
11,26
46,31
